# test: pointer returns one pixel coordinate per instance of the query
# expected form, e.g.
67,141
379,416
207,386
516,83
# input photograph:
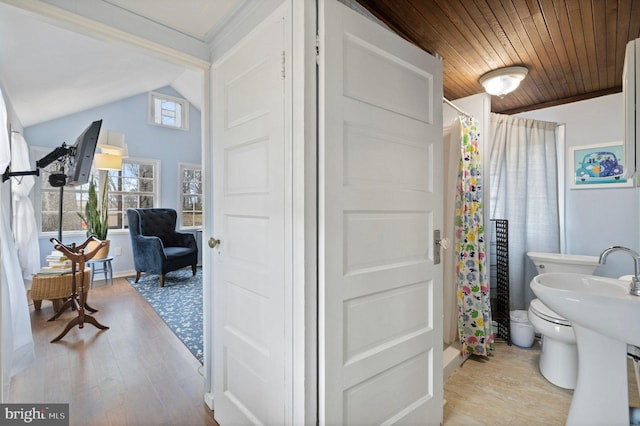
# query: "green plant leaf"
96,215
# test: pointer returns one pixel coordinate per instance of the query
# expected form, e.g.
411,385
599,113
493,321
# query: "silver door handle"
437,243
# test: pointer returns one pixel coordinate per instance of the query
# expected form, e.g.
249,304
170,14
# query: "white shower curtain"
17,341
524,190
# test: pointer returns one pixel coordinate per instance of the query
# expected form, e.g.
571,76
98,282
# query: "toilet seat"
539,309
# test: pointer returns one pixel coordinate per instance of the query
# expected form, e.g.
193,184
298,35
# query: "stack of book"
58,264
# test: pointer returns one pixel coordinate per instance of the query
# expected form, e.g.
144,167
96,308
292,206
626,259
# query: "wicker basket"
56,287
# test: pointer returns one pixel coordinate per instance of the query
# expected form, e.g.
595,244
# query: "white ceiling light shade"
504,80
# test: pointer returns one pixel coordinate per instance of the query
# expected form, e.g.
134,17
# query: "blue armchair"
157,247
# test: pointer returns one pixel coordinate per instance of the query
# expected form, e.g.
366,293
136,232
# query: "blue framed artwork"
598,166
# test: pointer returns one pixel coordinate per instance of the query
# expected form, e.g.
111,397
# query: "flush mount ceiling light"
504,80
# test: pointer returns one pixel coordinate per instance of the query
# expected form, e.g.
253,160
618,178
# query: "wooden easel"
77,302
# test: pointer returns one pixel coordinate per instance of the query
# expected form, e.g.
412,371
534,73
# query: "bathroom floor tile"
508,389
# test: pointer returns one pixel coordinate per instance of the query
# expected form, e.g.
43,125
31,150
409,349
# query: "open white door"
380,200
250,199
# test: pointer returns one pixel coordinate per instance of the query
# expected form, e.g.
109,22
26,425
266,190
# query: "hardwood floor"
136,373
139,373
508,389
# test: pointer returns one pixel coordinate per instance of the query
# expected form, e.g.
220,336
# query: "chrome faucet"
635,281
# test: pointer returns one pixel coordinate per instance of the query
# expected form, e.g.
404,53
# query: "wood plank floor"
508,389
136,373
139,373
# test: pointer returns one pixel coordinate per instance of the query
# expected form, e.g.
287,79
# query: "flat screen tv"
82,155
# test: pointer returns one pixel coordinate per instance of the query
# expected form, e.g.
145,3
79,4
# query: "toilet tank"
558,262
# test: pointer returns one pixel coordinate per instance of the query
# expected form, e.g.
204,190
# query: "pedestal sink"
605,318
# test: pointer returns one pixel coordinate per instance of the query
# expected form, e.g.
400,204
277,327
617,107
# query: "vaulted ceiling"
574,49
51,67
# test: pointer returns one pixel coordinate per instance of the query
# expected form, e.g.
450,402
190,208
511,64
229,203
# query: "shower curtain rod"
452,105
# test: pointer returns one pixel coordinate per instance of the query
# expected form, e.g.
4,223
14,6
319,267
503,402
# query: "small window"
190,185
165,110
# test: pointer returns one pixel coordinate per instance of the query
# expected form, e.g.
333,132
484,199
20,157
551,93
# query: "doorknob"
213,242
444,243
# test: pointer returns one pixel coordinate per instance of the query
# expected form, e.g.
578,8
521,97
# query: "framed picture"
598,166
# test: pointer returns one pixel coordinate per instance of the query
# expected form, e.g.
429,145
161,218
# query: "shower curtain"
474,305
524,190
451,150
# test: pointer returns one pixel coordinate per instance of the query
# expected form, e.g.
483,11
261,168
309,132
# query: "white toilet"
559,356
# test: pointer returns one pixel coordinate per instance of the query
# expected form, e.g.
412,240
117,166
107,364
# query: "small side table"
101,266
56,288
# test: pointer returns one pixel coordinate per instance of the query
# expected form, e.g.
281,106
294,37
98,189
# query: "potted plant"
96,218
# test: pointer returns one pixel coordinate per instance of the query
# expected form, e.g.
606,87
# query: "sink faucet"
635,281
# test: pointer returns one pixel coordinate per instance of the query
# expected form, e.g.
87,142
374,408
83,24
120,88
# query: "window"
190,180
165,110
74,199
135,186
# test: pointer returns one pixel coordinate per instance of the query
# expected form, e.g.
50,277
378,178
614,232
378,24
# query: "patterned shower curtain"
474,308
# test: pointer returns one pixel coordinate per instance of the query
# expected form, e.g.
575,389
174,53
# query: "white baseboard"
452,360
125,274
208,399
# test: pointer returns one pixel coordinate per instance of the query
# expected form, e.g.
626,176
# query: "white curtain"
17,341
451,148
524,190
25,228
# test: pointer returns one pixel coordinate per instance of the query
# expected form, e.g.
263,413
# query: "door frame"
207,232
305,211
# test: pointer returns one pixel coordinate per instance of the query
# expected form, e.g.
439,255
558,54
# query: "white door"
380,199
249,220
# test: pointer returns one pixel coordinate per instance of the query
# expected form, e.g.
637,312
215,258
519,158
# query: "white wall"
241,24
596,218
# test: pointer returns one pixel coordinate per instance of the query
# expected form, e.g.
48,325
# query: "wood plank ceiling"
574,49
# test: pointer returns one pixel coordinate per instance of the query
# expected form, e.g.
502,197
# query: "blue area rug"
178,303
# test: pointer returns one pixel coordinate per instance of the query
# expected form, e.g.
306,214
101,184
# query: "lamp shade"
503,81
107,162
